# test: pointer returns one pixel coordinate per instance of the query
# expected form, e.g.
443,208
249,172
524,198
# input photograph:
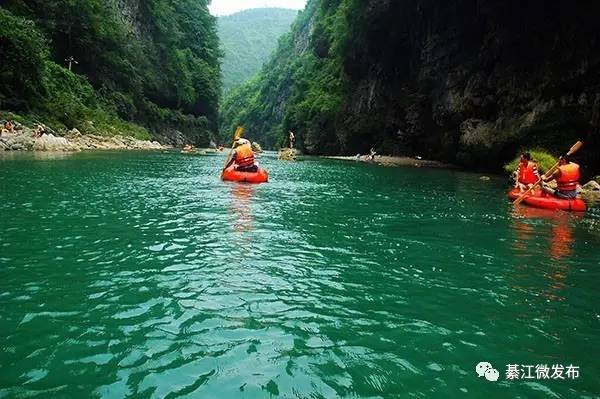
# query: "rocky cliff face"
471,81
132,16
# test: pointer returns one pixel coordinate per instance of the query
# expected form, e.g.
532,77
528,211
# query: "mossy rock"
256,147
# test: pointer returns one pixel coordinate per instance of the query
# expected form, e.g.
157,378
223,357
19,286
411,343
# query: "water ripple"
143,275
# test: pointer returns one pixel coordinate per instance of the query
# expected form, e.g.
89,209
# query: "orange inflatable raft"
261,176
539,199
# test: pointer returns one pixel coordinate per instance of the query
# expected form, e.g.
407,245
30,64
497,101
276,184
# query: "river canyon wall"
468,81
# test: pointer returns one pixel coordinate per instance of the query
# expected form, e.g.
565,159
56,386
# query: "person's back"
567,180
244,157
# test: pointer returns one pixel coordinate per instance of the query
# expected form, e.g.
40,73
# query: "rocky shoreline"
43,139
397,161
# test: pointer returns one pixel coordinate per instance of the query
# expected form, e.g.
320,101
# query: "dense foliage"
154,63
248,39
300,88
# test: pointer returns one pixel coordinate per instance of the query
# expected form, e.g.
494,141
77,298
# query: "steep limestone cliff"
472,81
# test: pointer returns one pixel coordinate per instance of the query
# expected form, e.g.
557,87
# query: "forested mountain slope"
468,82
248,38
154,63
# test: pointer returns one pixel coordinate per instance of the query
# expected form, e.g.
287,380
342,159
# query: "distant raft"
539,199
260,176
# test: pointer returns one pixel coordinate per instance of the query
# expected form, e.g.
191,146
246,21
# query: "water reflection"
36,155
241,207
535,228
531,224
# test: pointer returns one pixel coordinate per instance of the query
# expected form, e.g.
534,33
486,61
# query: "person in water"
243,157
567,180
527,173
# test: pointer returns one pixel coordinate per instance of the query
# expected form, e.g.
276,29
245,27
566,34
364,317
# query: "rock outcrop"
287,154
256,147
592,185
591,192
26,139
49,142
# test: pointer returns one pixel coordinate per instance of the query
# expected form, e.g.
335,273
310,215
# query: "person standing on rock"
292,140
527,173
371,156
567,180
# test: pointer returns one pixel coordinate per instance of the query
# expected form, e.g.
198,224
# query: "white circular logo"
485,369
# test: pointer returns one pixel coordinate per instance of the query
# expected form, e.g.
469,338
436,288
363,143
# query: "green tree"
23,52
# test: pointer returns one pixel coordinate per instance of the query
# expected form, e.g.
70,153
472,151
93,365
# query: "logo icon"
485,369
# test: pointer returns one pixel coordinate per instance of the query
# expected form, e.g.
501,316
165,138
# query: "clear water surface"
142,275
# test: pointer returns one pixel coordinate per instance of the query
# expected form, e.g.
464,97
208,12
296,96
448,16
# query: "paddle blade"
238,133
575,148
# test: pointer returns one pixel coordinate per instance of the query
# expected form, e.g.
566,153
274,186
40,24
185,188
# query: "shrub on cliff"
544,159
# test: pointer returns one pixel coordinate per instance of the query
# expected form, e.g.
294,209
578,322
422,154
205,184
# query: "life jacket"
244,156
569,177
528,173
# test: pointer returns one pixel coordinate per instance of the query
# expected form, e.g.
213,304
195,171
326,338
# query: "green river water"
142,275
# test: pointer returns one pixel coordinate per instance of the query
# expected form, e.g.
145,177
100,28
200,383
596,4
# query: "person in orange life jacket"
243,157
567,180
527,172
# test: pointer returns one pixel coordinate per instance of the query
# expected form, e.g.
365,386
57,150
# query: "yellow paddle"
572,151
238,134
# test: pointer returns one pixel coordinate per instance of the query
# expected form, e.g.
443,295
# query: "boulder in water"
287,154
592,185
590,192
256,147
